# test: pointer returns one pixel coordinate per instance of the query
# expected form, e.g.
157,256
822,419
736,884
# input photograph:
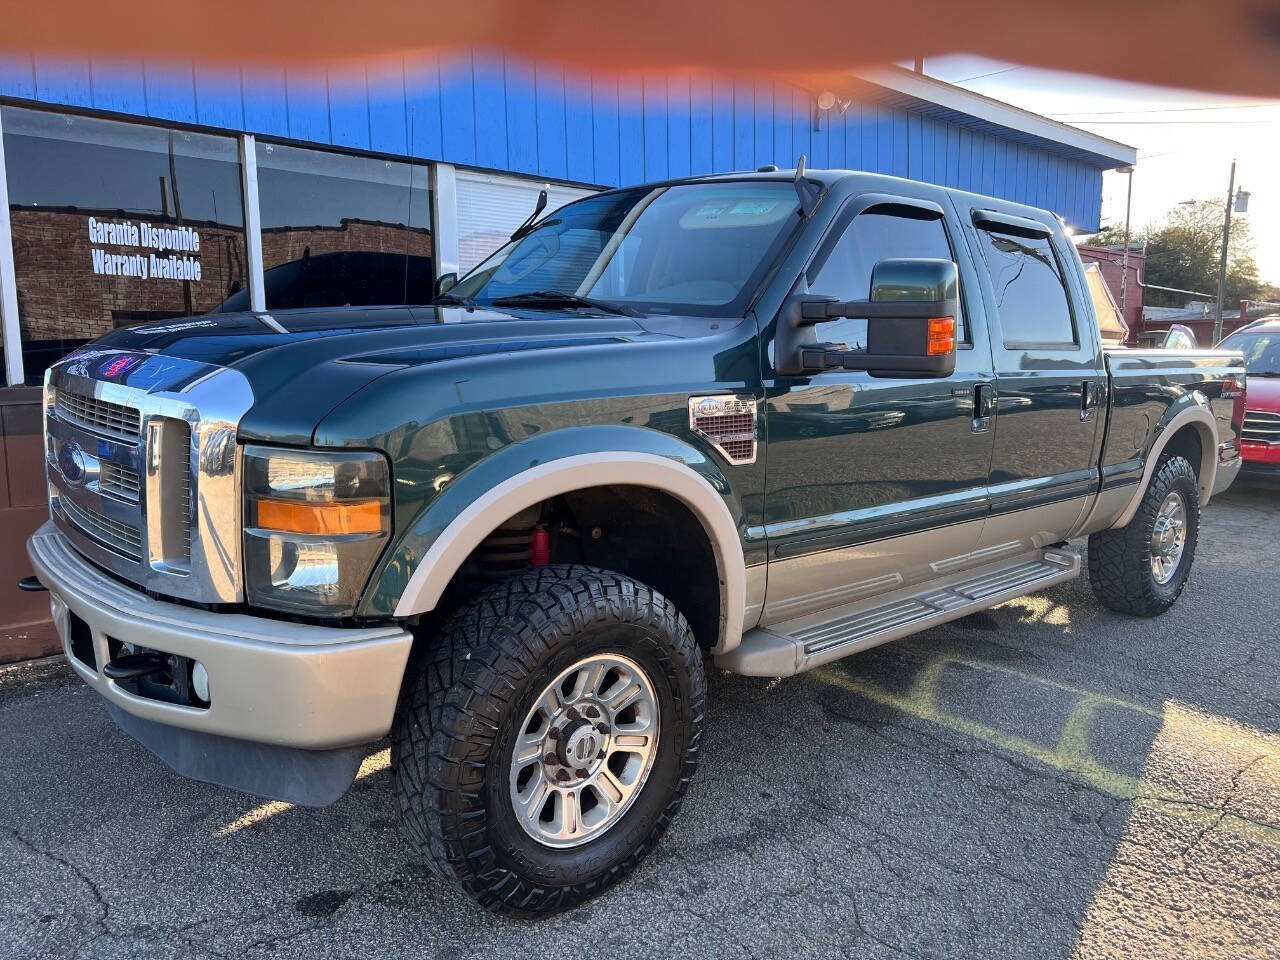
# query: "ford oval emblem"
77,466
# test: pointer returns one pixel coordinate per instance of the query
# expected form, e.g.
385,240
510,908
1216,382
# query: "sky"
1185,140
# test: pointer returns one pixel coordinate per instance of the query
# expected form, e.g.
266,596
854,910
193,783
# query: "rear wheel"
545,740
1142,567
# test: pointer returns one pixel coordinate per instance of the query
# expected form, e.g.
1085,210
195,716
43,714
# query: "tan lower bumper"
273,682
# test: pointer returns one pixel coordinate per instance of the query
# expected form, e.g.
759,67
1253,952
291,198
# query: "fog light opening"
200,682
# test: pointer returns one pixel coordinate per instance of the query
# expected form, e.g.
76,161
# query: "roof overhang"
905,89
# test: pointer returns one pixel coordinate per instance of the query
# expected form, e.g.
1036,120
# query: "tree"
1183,252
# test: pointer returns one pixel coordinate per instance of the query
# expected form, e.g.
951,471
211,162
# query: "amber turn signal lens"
352,516
942,335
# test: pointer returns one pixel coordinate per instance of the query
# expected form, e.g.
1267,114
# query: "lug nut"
549,759
591,712
581,773
603,728
554,733
562,775
573,713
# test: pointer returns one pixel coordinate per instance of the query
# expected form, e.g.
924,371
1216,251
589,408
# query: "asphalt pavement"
1044,780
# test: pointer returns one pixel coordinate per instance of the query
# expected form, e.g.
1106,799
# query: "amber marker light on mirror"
942,335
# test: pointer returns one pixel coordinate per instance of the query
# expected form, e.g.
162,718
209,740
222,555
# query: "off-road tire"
466,689
1120,560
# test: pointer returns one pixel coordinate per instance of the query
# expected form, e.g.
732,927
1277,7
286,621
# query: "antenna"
808,191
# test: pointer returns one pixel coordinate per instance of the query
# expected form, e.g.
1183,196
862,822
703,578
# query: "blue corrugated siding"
504,113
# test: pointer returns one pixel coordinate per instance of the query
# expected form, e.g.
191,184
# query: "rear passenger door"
1050,380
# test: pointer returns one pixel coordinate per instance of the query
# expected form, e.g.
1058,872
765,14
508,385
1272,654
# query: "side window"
1031,297
871,237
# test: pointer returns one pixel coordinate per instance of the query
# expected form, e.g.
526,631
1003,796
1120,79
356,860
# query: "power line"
1174,123
1110,113
983,76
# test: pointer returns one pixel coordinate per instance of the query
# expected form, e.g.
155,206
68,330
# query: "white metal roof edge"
926,89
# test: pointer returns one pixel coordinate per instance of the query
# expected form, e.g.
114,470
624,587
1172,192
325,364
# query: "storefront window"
339,230
116,224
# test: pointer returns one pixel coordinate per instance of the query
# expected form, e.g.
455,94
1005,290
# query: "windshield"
1261,351
694,248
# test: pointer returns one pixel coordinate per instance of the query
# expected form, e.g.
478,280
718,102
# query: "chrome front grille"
100,415
142,466
1261,426
182,480
121,538
120,481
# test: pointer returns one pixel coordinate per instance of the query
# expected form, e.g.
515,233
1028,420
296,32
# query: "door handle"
984,407
1090,399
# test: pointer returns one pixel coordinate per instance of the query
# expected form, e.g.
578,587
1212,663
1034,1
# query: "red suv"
1260,440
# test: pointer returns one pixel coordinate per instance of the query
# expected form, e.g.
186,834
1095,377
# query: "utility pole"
1124,264
1222,261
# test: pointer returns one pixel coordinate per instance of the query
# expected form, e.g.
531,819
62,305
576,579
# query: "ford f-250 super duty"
770,418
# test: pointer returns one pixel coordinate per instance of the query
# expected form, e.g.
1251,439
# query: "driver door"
875,482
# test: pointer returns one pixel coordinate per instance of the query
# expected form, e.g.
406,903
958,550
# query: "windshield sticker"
754,208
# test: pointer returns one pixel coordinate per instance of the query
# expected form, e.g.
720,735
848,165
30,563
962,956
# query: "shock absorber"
539,547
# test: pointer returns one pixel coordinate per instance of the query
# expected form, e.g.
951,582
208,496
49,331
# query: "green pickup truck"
762,421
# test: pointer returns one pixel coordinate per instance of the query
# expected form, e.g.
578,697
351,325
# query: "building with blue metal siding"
501,113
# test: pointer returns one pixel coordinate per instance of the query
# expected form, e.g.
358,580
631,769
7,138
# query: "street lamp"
1124,264
1222,260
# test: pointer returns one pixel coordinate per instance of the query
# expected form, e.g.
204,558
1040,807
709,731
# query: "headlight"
314,525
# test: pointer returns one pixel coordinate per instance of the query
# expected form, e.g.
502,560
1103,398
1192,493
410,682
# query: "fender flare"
564,475
1203,422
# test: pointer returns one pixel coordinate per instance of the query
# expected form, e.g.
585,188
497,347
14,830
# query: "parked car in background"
1260,440
1177,337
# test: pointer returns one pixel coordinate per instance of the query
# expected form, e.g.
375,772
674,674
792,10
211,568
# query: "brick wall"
285,244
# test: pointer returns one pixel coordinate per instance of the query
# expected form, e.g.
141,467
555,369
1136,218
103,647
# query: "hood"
1262,393
303,363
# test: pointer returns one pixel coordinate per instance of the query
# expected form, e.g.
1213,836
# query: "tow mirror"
911,324
445,282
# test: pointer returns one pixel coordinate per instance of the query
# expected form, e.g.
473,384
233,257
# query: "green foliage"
1183,252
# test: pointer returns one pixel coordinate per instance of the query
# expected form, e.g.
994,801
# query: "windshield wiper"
553,298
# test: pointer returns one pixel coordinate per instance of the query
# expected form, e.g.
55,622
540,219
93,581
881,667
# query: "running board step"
806,642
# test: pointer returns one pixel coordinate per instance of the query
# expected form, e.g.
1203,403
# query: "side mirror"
445,283
911,324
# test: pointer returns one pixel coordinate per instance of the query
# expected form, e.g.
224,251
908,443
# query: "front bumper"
1261,457
280,692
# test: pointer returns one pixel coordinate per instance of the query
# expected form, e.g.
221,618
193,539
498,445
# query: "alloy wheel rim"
584,751
1168,538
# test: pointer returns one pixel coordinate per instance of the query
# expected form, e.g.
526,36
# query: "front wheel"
546,738
1142,567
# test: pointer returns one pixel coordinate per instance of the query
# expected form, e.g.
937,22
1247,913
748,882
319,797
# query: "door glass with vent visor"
1031,298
